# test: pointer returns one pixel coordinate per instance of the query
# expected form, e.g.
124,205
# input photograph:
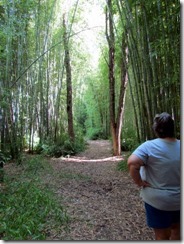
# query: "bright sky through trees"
94,17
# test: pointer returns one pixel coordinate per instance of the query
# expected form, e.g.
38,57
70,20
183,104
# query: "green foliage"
80,115
34,166
128,144
129,138
96,133
34,88
1,174
27,208
122,166
129,133
4,157
62,147
97,104
2,162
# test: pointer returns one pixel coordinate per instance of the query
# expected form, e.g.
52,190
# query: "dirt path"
102,202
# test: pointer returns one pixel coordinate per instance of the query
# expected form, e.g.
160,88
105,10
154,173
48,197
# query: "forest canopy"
55,92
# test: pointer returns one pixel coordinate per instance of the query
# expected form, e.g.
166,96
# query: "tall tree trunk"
116,121
111,43
124,81
69,83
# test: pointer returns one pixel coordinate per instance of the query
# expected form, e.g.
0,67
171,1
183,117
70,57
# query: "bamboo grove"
49,92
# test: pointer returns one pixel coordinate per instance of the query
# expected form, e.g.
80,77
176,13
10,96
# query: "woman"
155,167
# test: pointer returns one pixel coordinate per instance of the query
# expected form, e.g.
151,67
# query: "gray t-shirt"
162,170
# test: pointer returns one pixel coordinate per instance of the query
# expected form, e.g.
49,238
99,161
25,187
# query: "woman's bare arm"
134,164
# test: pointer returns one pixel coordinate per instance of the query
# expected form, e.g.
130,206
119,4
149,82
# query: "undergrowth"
122,165
29,210
64,146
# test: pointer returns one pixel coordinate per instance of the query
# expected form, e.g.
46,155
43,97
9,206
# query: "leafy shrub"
128,144
4,157
42,147
62,147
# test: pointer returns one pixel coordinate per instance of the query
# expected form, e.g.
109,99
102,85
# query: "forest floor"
102,202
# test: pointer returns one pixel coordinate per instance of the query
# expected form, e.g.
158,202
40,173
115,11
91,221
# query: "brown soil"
102,202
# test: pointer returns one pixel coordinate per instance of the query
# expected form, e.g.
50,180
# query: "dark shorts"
160,219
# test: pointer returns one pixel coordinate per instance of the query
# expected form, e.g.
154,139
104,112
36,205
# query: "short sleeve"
142,152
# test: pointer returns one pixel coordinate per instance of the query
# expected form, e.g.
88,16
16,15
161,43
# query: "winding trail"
103,203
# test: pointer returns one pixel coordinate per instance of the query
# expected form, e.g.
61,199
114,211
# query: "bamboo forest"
75,74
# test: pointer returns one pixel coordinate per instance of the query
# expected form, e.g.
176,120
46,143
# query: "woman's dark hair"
163,125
